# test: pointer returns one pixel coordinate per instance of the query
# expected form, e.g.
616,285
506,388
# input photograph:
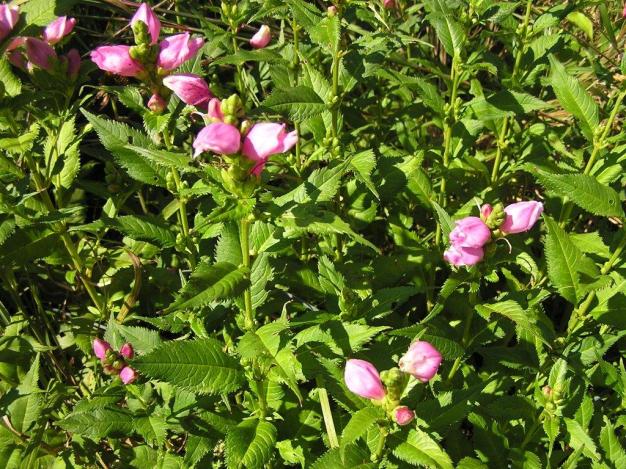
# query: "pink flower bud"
175,50
457,255
470,232
100,348
331,11
485,211
214,110
220,138
9,16
16,42
40,53
128,375
58,29
190,88
264,140
389,4
116,59
422,360
127,351
624,11
156,103
262,37
521,216
18,60
362,378
403,415
72,58
144,13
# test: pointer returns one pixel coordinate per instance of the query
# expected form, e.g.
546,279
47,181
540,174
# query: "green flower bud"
142,35
494,218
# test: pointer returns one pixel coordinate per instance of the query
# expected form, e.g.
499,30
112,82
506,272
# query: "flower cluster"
421,361
471,234
30,52
115,363
148,60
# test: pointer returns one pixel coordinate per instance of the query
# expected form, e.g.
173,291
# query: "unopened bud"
142,35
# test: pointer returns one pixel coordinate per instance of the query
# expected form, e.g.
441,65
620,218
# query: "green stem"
598,145
502,137
579,314
328,415
380,446
465,341
244,236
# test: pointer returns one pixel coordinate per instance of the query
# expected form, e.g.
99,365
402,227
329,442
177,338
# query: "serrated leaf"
565,262
12,84
360,422
353,458
420,449
574,98
579,439
142,339
167,159
611,445
250,444
143,229
446,223
449,32
197,365
585,191
299,103
210,283
99,423
243,56
515,313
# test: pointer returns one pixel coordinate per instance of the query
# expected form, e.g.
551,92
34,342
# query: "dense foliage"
288,233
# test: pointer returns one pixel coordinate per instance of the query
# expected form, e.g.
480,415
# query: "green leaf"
143,228
446,223
574,98
613,450
243,56
250,444
210,283
197,365
585,191
419,449
505,103
299,103
579,439
163,158
363,164
353,458
515,313
143,340
38,12
360,422
565,262
449,32
99,423
12,84
326,33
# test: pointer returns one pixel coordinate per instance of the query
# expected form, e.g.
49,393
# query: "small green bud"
142,35
494,218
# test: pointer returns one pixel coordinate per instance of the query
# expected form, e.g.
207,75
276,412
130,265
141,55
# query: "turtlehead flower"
58,29
100,348
128,375
422,360
9,16
220,138
402,415
521,216
40,53
264,140
389,4
72,59
262,37
156,103
362,379
470,232
127,351
190,88
176,50
116,59
145,14
460,256
214,110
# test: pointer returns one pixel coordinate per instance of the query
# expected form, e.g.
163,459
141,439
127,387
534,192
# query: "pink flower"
144,13
220,138
9,16
127,351
58,29
521,216
18,60
485,211
362,378
175,50
128,375
100,348
214,111
156,103
116,59
470,232
16,42
72,58
261,38
403,415
624,11
264,140
389,4
422,360
40,53
190,88
457,255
